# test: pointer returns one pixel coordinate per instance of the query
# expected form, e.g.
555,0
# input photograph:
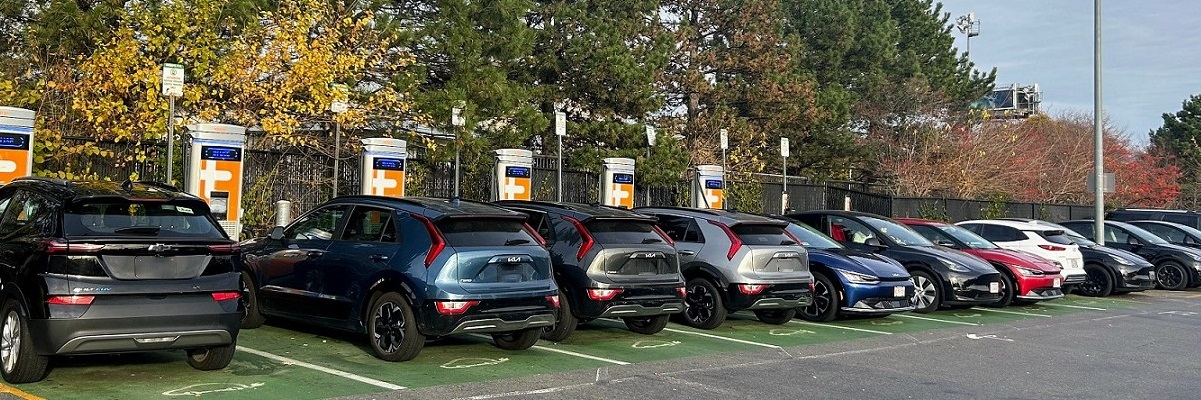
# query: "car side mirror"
875,244
277,233
945,243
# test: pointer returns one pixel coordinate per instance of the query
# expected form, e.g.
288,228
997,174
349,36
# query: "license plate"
898,291
1057,283
1151,275
994,287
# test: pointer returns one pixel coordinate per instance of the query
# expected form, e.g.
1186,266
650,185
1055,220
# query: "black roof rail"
55,181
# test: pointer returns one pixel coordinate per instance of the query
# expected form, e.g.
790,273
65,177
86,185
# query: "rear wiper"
651,240
787,242
148,230
514,242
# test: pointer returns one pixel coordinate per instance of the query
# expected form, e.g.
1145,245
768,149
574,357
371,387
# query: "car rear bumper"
1074,279
634,302
775,297
490,316
877,299
129,325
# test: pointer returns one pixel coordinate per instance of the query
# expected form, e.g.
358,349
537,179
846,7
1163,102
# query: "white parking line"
580,355
1012,312
331,371
841,327
770,346
1072,306
936,320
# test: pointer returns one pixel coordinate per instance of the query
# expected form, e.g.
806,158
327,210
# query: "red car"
1025,278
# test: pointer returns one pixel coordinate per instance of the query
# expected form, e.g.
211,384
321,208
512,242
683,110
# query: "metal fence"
305,179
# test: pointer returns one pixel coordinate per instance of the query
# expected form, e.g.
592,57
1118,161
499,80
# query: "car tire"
1008,291
775,317
19,363
825,301
392,328
564,325
926,292
518,340
211,358
1098,283
1170,275
253,318
703,305
647,325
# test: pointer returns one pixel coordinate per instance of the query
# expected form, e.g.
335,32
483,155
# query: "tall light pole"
457,122
337,106
970,26
1098,140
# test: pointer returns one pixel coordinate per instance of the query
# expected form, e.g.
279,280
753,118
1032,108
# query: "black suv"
1183,217
1176,267
404,269
608,263
103,267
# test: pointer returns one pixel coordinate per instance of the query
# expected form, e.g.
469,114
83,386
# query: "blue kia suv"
850,282
404,269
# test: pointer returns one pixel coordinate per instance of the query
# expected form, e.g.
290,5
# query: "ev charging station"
384,167
617,182
215,171
511,177
16,143
709,188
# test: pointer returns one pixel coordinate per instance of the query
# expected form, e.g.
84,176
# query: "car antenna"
127,185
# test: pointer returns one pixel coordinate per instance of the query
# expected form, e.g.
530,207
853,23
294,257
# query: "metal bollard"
283,213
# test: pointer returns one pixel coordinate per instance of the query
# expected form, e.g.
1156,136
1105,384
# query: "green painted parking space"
446,361
296,362
609,338
167,375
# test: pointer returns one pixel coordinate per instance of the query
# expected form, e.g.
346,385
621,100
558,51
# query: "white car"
1041,240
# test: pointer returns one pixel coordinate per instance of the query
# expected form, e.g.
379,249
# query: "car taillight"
223,296
454,307
71,300
683,291
530,230
751,289
1050,247
225,248
735,242
663,235
584,235
554,300
57,247
437,243
603,294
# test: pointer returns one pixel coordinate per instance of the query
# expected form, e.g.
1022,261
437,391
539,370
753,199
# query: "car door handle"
379,257
315,253
687,253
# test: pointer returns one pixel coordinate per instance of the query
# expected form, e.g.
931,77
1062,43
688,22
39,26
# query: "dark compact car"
1183,217
404,269
1109,270
1174,233
941,276
608,263
736,261
849,282
103,267
1176,267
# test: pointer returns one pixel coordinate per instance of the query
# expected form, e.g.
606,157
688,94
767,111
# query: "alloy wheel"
924,292
823,299
699,304
1170,276
389,327
10,340
1091,285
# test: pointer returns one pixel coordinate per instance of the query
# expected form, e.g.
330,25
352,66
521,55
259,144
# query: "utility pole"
457,122
1098,140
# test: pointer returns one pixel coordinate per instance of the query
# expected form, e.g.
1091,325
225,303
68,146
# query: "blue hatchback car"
402,270
850,282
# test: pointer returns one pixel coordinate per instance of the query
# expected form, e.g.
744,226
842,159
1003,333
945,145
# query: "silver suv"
735,261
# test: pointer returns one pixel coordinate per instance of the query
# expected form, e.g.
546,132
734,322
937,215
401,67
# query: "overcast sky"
1151,54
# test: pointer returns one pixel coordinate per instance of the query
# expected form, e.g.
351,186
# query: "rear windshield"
140,218
811,238
1057,237
484,232
623,232
766,235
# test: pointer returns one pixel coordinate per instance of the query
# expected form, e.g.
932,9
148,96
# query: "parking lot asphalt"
1137,345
